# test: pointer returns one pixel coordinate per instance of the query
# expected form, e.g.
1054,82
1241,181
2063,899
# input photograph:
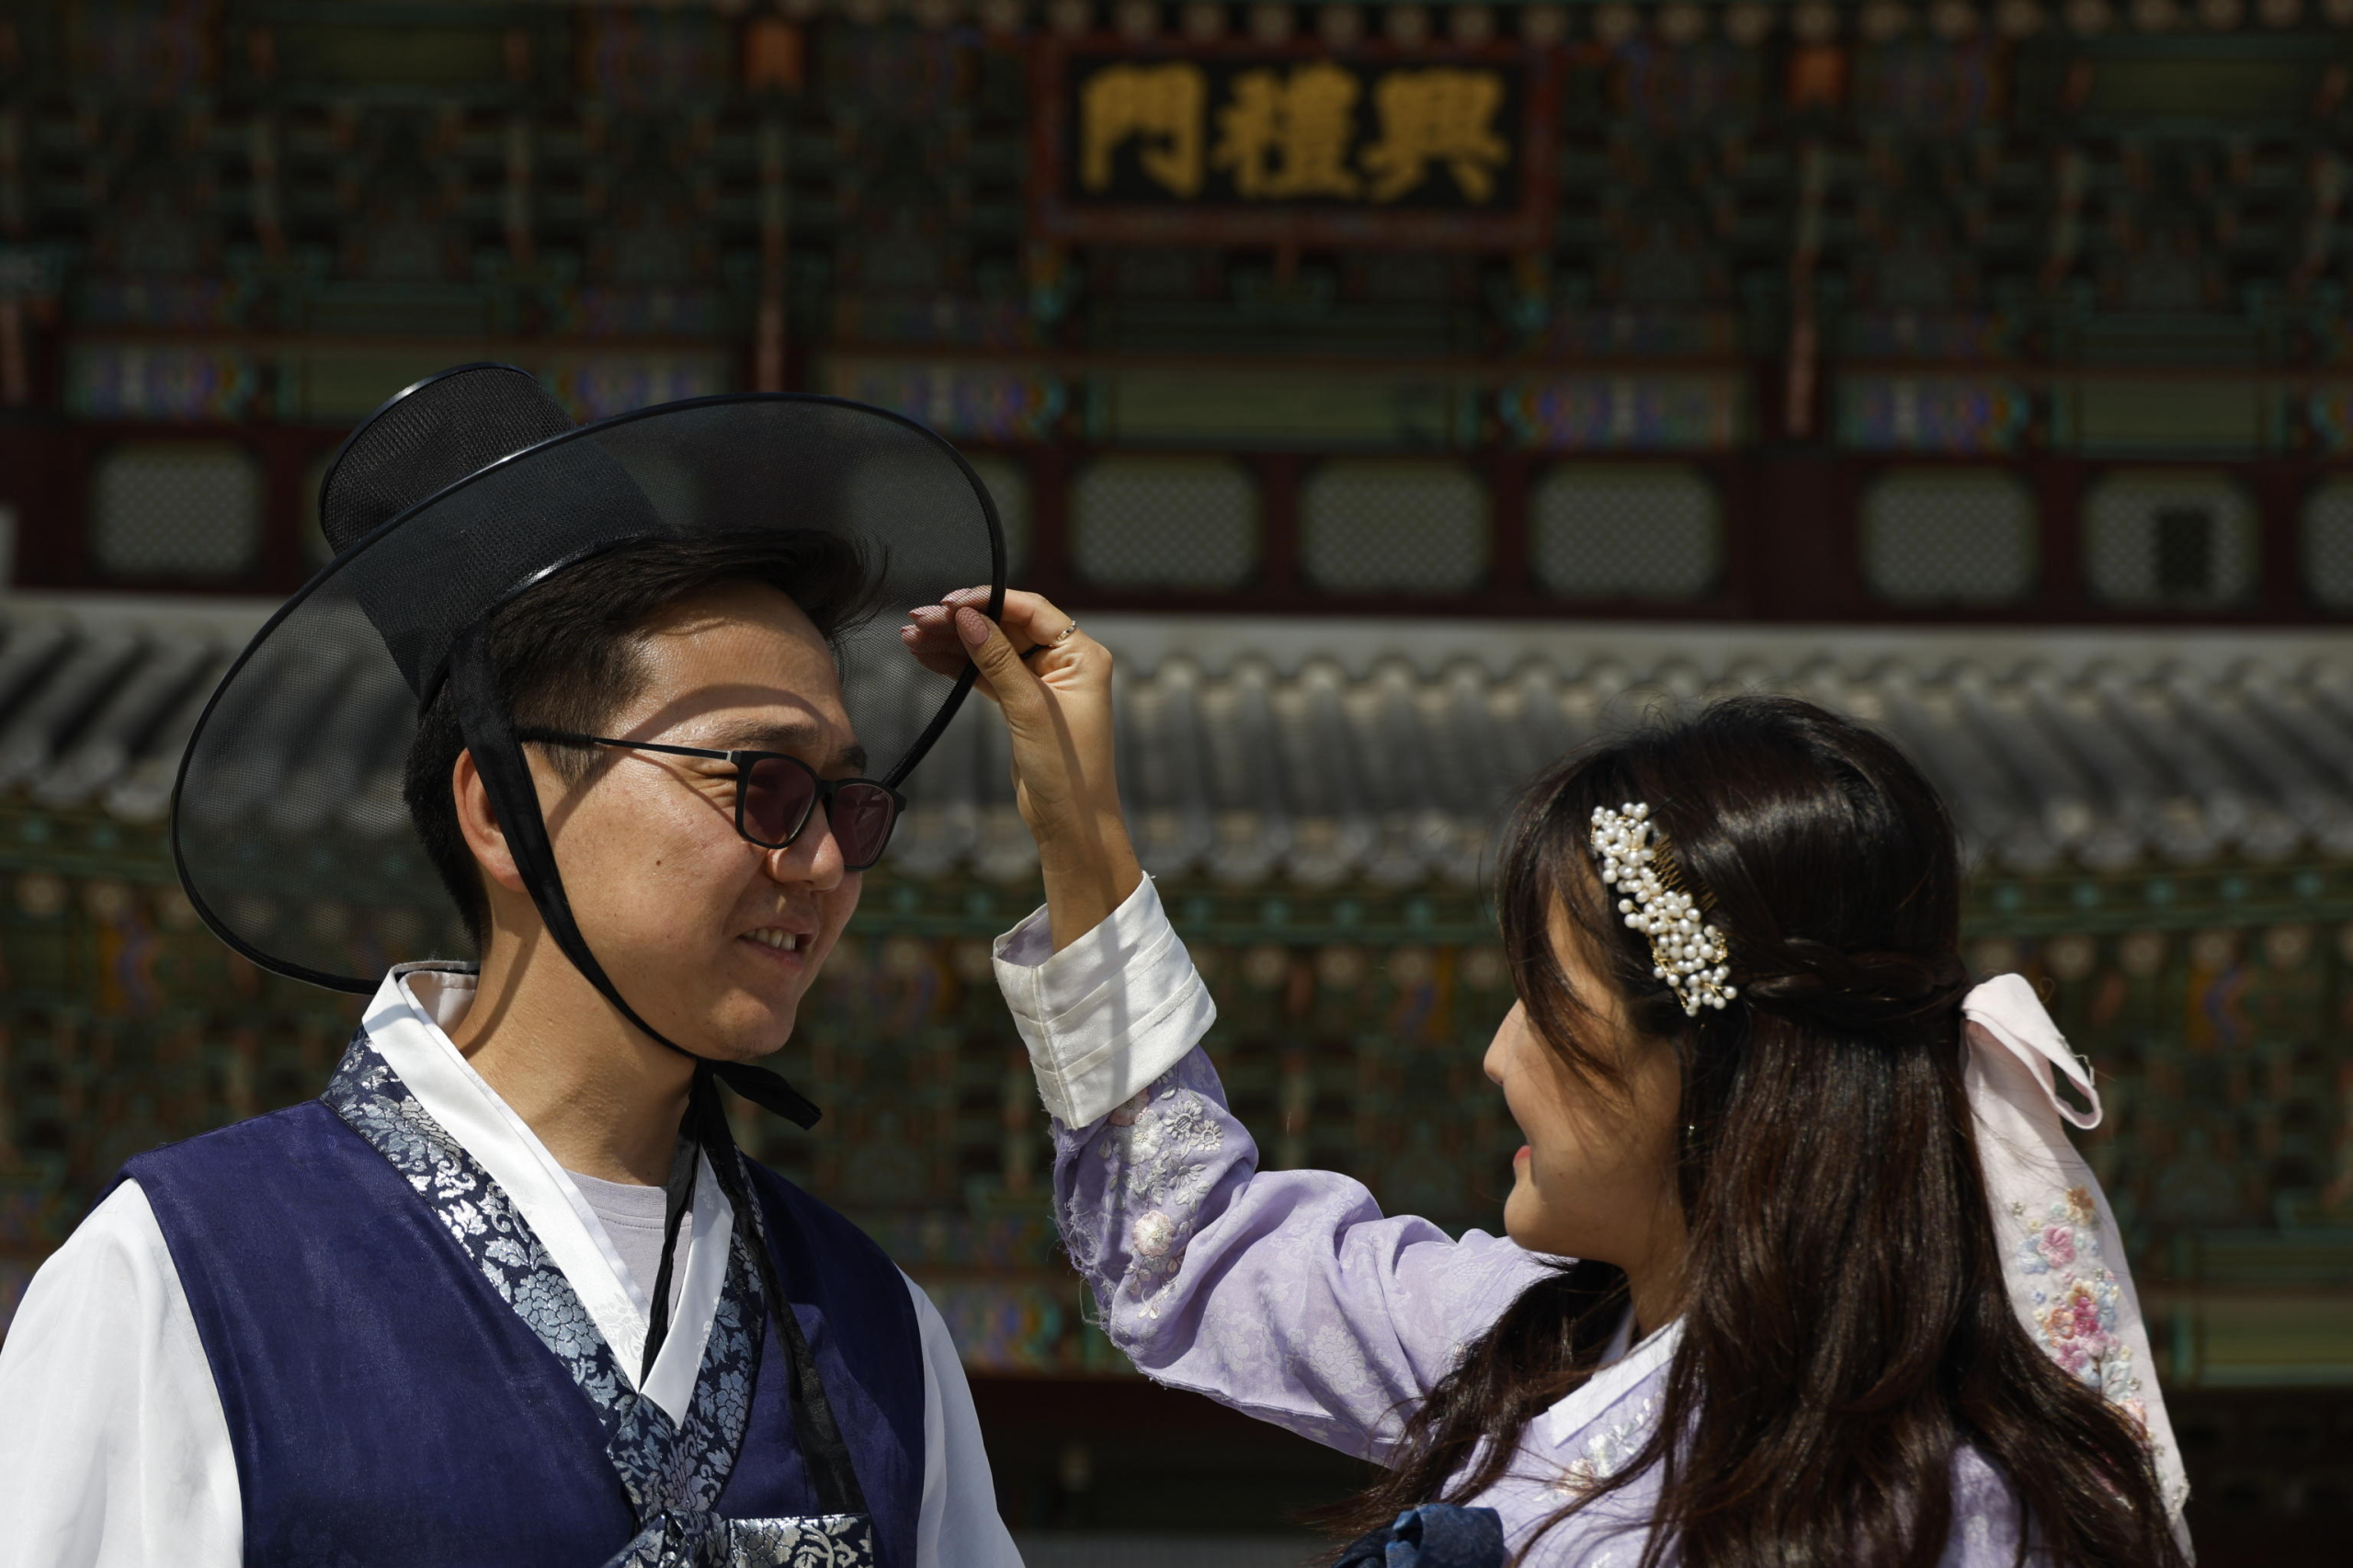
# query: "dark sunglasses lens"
777,798
862,817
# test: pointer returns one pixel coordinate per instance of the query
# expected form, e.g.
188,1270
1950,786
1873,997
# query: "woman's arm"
1286,1294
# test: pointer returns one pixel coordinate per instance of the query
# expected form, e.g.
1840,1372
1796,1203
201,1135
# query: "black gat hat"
458,495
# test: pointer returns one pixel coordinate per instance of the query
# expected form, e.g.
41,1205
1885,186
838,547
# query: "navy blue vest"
387,1408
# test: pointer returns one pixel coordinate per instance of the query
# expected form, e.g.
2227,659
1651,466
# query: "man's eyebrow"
760,734
784,735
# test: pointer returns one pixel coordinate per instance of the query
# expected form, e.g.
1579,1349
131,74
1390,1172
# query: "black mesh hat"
456,497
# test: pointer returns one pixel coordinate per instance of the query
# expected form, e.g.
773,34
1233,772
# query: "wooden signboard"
1144,144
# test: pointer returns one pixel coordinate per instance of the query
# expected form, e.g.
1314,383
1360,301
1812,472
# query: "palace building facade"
1407,393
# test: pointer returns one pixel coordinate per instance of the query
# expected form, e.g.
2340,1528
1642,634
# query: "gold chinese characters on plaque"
1241,146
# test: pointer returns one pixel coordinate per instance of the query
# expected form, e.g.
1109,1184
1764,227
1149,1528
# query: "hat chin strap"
489,735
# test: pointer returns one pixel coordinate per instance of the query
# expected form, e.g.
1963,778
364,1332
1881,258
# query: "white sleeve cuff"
1110,1013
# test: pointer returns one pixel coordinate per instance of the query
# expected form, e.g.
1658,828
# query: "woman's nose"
1499,1048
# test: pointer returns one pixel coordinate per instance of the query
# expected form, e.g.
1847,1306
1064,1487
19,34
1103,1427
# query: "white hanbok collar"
1618,1378
408,1021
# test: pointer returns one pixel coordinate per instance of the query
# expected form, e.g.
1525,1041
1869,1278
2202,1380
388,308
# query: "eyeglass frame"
744,762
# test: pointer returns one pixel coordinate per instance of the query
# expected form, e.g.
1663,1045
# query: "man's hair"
566,655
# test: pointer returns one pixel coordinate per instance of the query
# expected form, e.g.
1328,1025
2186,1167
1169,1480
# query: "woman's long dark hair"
1846,1334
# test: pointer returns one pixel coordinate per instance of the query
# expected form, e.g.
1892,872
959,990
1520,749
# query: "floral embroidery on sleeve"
1160,1148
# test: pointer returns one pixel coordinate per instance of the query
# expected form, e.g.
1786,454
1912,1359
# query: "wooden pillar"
1511,577
1049,570
286,457
1279,476
1744,589
770,345
44,477
2280,489
1809,569
2059,498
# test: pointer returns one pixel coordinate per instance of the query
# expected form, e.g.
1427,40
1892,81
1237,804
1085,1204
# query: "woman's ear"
478,823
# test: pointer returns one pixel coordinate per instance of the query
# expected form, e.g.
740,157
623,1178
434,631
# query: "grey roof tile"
170,669
1319,754
70,691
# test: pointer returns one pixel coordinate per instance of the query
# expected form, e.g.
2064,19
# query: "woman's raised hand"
1057,708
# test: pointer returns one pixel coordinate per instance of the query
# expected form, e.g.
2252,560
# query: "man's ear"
478,823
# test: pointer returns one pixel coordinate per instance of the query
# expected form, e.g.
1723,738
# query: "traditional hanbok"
1289,1296
384,1328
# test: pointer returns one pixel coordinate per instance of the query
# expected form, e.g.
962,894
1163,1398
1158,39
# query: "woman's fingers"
1057,706
1003,674
1031,619
1053,681
1028,620
931,637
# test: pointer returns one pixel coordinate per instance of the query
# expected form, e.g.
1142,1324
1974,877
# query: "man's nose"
813,860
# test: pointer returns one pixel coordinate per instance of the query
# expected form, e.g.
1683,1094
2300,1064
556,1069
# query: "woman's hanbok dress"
1289,1296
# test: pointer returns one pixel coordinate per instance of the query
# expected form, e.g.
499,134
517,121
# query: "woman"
1841,1293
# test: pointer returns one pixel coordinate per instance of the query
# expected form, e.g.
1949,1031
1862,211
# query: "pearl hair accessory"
1687,953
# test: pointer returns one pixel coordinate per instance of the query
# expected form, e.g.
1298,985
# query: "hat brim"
287,826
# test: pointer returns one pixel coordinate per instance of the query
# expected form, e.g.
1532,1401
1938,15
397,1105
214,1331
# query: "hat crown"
429,438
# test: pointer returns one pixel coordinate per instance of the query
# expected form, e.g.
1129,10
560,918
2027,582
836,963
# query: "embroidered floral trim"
1160,1147
1607,1449
706,1540
2074,1298
673,1475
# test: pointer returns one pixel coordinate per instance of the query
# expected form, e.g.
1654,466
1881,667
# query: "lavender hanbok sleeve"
1286,1294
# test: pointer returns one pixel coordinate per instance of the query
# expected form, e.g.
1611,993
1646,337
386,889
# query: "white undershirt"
633,1215
114,1449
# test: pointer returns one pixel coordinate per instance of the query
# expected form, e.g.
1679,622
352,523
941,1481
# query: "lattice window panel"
2328,544
176,509
1405,528
1165,523
1008,486
1948,536
2169,537
1620,531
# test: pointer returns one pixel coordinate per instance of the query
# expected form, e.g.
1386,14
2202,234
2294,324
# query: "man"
507,1294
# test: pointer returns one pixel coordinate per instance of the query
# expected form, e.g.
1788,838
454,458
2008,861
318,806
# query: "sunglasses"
776,795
